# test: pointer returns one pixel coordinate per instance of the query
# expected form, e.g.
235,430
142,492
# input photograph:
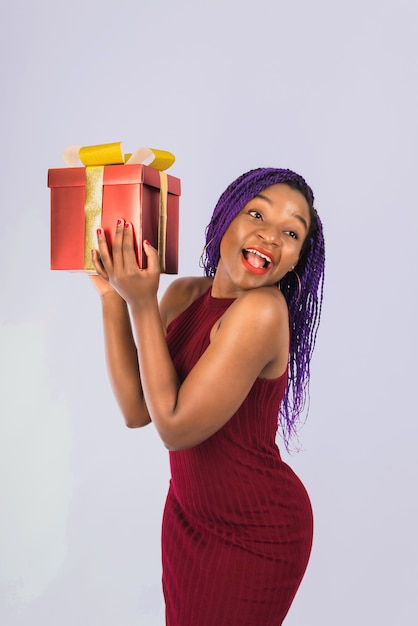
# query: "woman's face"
264,241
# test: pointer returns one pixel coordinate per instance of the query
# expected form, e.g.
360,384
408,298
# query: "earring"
299,286
204,252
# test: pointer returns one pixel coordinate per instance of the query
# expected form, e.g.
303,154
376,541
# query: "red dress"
237,525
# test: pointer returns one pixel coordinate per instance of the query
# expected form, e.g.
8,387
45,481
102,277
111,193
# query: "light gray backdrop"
326,88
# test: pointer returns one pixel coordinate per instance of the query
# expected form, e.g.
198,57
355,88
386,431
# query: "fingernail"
147,242
127,224
99,231
119,222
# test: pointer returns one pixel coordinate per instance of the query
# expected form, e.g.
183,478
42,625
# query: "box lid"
113,175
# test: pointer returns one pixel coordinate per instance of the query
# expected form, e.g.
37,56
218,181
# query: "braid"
305,313
304,302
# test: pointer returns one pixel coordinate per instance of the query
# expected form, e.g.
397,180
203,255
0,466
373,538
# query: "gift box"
85,198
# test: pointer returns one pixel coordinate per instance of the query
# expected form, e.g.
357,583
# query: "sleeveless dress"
237,524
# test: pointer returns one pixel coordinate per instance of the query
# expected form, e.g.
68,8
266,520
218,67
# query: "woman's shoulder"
264,310
180,294
259,318
264,301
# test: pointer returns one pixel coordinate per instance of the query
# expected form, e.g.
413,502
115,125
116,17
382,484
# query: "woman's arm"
121,356
251,336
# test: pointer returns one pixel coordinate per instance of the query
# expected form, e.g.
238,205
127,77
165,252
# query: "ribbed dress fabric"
237,525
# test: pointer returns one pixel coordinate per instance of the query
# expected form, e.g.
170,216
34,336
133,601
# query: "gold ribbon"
95,158
162,222
113,154
92,211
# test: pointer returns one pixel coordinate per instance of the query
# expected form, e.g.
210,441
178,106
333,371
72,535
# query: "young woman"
214,367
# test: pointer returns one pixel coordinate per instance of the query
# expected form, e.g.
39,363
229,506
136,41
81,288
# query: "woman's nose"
270,234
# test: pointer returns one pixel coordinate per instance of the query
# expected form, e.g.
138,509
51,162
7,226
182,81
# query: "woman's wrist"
143,305
112,300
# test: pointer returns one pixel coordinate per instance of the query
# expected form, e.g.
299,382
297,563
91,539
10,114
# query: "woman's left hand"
136,286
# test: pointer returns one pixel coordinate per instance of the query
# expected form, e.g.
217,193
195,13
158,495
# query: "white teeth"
258,253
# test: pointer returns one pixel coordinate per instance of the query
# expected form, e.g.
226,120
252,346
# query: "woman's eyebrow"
299,217
263,197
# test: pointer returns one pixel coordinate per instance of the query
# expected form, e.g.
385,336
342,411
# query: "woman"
212,368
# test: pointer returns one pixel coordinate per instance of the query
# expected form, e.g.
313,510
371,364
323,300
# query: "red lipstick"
256,260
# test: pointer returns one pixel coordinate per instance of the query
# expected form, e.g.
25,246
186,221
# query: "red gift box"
132,192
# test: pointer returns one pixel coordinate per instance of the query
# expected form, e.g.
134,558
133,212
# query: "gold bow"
95,158
113,154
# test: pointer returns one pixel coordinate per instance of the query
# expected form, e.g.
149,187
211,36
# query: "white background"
323,87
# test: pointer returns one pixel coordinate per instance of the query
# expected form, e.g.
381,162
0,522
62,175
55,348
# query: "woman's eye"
292,234
255,214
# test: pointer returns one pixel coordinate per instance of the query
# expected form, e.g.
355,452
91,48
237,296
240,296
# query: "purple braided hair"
304,304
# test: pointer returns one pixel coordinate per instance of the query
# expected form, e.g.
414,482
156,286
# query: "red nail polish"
147,242
99,231
127,224
119,222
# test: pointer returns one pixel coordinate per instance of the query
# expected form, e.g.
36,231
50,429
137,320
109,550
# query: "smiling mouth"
257,259
256,262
